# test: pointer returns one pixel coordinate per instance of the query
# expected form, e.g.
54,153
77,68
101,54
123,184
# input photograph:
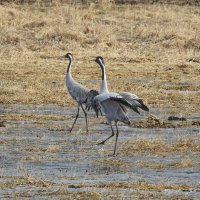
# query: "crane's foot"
111,155
69,129
101,143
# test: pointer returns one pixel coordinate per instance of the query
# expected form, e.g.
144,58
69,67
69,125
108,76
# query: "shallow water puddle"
40,158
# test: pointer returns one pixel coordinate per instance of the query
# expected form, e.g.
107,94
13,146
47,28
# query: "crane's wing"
96,101
134,100
114,97
78,92
91,104
106,96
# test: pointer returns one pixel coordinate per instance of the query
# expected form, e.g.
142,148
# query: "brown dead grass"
183,163
151,43
49,149
39,118
160,147
112,163
25,180
140,186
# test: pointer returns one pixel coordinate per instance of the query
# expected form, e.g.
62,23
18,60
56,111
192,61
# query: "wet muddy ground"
40,159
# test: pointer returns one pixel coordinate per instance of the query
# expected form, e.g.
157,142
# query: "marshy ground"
152,50
41,159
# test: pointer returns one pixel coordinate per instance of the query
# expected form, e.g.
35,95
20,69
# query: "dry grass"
151,43
38,117
161,148
151,50
112,163
141,187
25,180
184,163
49,149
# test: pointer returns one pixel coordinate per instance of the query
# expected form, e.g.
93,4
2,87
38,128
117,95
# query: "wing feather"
134,100
91,104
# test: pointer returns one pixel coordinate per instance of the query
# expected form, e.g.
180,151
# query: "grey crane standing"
79,93
115,105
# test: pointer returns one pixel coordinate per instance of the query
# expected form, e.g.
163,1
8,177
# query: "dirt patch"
196,123
2,124
175,118
153,121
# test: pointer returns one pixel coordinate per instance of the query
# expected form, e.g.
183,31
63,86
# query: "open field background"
152,50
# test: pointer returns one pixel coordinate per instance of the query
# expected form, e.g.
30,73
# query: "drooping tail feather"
126,103
135,101
142,106
136,110
91,104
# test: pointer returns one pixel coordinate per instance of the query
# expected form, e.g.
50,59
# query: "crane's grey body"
112,108
79,93
114,105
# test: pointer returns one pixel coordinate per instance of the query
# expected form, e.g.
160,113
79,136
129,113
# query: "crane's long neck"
104,86
69,67
68,75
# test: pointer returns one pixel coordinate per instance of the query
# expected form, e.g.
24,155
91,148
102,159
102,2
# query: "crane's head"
99,60
69,56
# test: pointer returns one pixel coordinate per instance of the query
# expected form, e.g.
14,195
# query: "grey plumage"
115,105
135,101
90,103
79,93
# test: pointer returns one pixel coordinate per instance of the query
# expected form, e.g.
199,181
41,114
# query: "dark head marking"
99,60
69,56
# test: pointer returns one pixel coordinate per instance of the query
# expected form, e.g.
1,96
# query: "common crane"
114,105
79,93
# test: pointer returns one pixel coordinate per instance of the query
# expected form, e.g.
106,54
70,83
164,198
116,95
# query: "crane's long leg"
116,139
75,120
109,136
85,118
100,112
